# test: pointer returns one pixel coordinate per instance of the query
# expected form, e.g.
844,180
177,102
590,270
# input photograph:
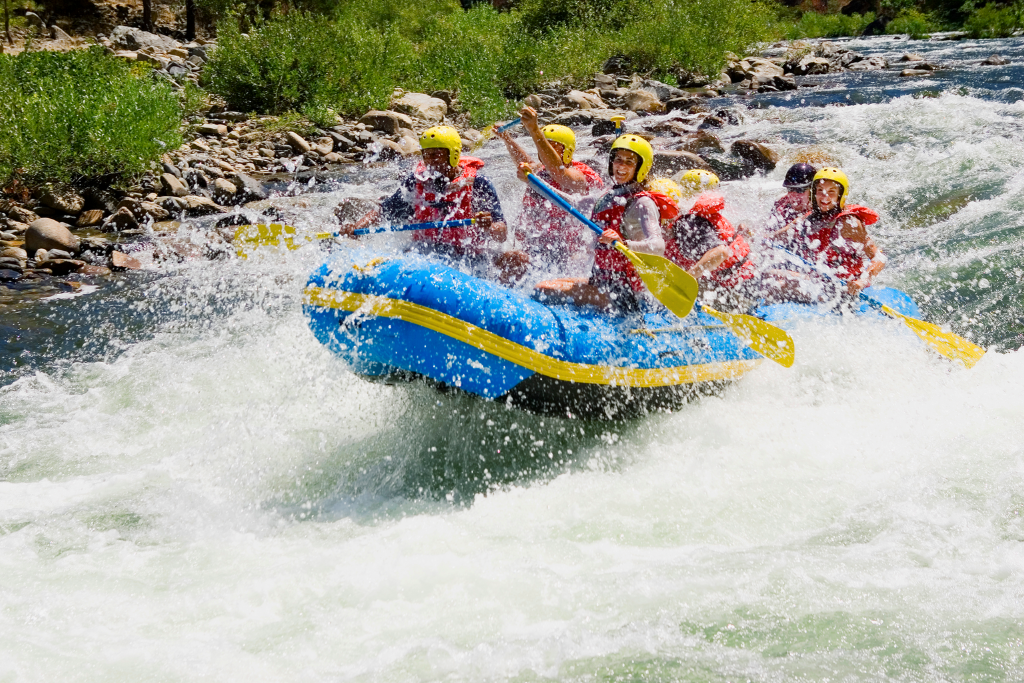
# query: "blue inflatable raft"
405,317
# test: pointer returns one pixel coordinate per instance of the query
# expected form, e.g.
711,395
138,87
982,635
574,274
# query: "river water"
192,488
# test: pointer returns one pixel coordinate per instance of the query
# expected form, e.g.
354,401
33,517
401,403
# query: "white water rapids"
219,499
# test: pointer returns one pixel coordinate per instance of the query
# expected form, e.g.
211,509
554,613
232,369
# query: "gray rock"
811,65
583,100
173,186
422,106
641,100
224,191
172,169
33,19
996,60
249,189
447,95
89,218
755,154
9,273
667,162
46,233
130,38
605,81
197,51
201,206
701,141
56,254
387,121
869,64
174,205
212,129
662,91
297,142
18,213
120,220
62,199
56,33
906,73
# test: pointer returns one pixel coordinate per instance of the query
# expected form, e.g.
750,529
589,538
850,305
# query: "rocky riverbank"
60,234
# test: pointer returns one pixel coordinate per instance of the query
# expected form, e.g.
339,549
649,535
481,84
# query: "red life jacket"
455,204
548,225
608,214
821,242
736,266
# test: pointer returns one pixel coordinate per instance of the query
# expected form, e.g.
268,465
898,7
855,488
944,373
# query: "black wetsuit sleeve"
398,208
485,198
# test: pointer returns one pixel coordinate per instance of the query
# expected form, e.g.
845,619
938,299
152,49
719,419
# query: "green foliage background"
65,116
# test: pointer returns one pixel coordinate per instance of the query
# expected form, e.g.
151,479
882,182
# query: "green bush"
913,23
994,21
303,62
814,25
70,115
350,60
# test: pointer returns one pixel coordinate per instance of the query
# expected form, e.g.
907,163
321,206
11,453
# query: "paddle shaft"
506,126
549,193
462,223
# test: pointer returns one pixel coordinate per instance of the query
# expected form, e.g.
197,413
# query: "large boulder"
641,100
667,162
136,39
249,189
421,106
62,199
662,91
297,142
172,187
389,122
46,233
870,64
701,141
583,100
755,154
811,65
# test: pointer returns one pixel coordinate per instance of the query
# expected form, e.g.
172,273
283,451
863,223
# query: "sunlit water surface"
192,488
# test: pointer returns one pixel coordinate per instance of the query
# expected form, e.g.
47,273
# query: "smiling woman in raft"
629,213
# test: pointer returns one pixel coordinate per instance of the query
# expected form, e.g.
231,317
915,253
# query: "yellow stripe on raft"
523,356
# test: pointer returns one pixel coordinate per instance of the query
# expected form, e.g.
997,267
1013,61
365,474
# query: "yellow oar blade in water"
948,344
768,340
250,237
670,284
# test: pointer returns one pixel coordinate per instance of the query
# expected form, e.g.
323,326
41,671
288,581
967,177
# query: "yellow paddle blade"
485,134
768,340
670,284
249,237
948,344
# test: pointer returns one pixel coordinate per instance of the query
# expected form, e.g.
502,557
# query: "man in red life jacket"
703,242
549,235
797,200
449,186
627,213
833,236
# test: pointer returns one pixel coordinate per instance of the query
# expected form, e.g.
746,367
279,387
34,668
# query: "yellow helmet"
636,144
564,136
443,137
836,176
668,187
697,180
